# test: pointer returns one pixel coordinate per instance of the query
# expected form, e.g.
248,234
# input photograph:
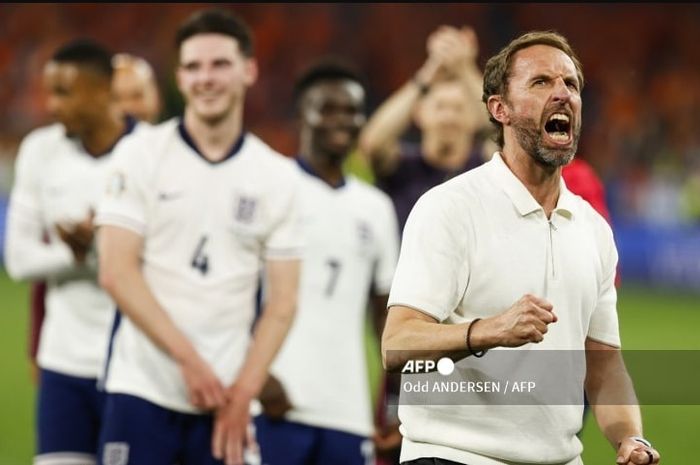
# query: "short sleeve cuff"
424,307
115,219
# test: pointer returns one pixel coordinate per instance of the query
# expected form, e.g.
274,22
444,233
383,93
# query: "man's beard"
529,136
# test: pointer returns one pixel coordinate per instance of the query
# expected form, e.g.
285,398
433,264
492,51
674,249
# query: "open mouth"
558,128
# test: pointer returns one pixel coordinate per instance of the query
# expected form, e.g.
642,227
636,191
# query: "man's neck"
327,170
541,181
214,139
103,134
449,155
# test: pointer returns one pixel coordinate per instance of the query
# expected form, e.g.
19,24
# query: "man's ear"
499,109
251,71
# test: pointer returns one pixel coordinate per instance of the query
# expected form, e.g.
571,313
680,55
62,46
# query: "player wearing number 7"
317,407
195,208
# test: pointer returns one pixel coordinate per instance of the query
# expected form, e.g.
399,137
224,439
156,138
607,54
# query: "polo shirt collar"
523,201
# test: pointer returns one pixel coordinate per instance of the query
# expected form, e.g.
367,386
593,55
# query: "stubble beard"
529,136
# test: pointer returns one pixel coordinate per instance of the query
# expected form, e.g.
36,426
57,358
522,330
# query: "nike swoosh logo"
165,196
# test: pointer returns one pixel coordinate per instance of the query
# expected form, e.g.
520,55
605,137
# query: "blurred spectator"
135,88
444,99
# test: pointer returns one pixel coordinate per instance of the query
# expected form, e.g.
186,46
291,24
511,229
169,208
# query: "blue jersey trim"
235,148
307,168
102,381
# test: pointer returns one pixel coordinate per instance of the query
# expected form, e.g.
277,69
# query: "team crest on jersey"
245,209
117,184
364,235
364,232
116,453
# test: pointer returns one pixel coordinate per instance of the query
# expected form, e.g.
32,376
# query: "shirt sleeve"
27,255
604,326
285,239
432,272
124,202
388,235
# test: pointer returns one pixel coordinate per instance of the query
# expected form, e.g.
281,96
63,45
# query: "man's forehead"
64,69
209,46
335,89
539,59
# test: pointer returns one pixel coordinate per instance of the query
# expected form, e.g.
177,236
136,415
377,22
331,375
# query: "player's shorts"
69,415
284,442
138,432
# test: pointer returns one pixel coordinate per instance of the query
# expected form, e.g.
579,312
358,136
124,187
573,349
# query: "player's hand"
273,398
454,49
233,433
632,452
203,386
525,321
387,439
78,236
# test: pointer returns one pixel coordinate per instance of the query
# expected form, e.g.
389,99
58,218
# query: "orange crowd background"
641,128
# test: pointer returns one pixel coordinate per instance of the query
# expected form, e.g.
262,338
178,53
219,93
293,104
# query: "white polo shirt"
471,248
207,229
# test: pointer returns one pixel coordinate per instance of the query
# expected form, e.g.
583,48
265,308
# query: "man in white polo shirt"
504,256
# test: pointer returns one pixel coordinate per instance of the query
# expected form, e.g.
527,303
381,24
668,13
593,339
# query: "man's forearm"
383,130
473,81
27,257
270,332
611,393
420,339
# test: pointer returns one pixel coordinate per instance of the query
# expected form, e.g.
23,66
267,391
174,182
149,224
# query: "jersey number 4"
200,260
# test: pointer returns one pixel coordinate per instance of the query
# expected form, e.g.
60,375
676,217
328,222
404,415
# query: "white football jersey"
352,246
207,228
58,181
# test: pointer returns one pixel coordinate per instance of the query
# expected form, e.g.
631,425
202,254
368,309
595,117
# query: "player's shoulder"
367,193
43,137
51,132
145,141
274,163
590,217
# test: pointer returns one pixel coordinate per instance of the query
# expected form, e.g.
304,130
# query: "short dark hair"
330,68
217,21
86,53
497,72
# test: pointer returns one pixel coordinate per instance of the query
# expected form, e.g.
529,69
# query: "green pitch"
649,319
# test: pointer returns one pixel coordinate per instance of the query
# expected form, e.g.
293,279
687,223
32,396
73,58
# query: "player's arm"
121,276
413,334
461,48
379,139
611,394
27,255
230,431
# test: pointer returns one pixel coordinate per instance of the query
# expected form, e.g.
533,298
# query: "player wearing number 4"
317,406
195,207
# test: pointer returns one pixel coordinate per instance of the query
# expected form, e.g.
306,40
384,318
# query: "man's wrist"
641,440
421,84
240,391
480,337
636,438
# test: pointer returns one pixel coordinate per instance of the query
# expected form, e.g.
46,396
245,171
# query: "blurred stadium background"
641,131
